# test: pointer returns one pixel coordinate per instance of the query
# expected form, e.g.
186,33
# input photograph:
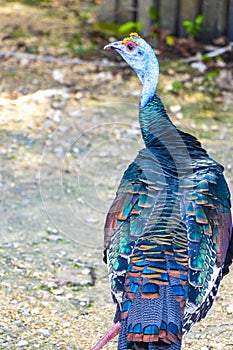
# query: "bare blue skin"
144,62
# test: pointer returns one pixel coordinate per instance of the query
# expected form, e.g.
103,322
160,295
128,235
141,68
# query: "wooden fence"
218,15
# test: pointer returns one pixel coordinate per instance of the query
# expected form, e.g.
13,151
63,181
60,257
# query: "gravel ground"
56,152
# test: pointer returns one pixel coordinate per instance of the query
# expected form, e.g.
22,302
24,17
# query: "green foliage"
128,27
213,74
176,87
35,2
154,35
154,14
77,46
170,40
20,33
196,27
206,58
84,15
109,28
106,28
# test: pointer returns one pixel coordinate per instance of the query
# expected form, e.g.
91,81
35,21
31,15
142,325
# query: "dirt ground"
68,131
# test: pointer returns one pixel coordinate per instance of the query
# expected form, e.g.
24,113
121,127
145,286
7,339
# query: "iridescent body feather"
168,233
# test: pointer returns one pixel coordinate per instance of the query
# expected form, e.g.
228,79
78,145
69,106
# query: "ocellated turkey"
168,233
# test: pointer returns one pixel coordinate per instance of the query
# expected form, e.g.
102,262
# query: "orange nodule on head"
131,38
135,34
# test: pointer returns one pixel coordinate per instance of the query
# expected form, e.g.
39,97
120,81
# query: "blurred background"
69,128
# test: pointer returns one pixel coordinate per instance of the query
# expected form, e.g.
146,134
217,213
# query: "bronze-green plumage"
168,233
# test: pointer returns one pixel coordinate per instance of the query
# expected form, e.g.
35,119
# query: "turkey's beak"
117,45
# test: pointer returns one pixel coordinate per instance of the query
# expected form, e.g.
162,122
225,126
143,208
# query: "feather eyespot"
130,45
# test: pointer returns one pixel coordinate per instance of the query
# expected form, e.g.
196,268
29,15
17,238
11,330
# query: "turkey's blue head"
141,57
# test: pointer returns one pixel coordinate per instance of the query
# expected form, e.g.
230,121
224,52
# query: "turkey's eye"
131,45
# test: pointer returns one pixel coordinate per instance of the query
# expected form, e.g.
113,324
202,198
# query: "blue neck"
149,80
